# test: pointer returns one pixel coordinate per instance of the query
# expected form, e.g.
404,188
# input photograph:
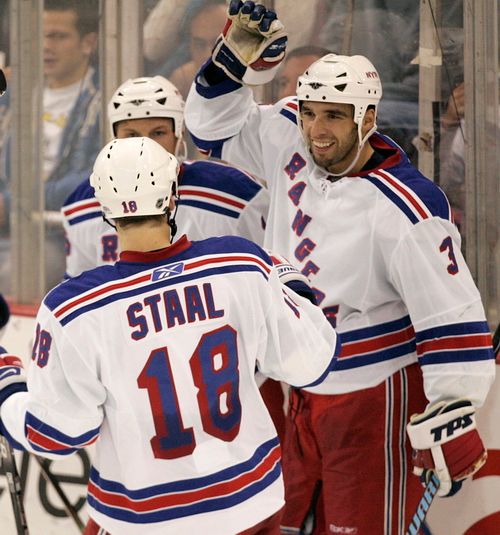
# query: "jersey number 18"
214,366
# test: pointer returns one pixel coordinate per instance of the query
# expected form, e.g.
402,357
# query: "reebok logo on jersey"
167,271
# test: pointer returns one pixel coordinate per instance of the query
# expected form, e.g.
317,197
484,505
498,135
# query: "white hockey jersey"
214,200
155,356
379,248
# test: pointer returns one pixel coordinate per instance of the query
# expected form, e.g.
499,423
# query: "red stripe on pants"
356,445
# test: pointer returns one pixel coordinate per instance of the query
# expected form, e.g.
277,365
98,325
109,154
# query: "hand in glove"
12,376
252,44
292,277
446,441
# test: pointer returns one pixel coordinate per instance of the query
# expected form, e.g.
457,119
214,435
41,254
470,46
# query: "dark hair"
127,221
87,14
308,50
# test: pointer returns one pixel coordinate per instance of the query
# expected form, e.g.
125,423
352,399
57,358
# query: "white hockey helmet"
134,177
142,98
343,79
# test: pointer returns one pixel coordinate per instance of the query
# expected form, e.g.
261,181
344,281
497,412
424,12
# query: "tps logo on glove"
462,422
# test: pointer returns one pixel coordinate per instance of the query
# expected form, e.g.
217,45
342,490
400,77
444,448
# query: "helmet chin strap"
361,144
171,219
108,221
180,151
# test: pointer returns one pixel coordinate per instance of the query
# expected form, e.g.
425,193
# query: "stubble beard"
342,152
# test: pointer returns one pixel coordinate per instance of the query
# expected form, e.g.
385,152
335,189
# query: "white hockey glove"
292,277
446,441
12,376
252,44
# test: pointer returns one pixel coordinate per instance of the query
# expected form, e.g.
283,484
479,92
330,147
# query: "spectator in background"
294,65
203,28
71,103
452,148
168,28
199,26
388,32
452,133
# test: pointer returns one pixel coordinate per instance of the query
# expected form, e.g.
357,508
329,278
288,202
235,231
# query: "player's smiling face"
331,133
159,129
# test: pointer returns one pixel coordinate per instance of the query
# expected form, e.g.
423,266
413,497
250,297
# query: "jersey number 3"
447,245
214,367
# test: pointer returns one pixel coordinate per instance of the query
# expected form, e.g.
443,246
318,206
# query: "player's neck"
144,237
365,154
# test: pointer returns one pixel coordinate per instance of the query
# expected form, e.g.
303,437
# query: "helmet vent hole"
116,105
115,190
307,96
162,101
111,178
340,87
323,97
152,174
152,182
129,114
136,188
138,175
342,74
147,113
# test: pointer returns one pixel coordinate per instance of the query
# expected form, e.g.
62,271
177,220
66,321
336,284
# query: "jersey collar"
154,256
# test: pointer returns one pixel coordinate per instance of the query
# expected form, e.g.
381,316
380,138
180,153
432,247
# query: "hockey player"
214,199
155,355
375,239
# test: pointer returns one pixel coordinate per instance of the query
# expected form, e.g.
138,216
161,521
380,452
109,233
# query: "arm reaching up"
252,44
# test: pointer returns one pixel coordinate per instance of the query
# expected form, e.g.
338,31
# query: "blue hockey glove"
446,441
292,277
252,44
12,376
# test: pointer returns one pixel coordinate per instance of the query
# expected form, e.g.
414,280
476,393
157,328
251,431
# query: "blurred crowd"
178,36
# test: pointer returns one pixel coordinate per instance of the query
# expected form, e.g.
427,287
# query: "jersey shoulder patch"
75,286
413,193
82,192
216,187
289,108
81,205
229,245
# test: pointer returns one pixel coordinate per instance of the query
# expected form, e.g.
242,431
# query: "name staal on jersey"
155,356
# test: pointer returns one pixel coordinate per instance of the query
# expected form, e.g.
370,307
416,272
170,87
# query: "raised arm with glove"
252,44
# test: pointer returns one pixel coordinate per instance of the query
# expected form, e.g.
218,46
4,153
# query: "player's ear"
369,119
89,43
